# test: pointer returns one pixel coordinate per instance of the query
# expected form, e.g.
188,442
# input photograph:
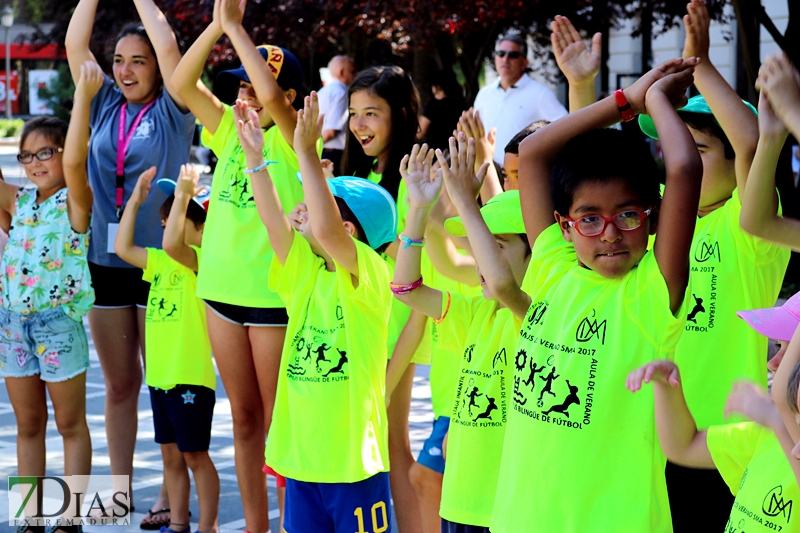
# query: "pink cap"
776,323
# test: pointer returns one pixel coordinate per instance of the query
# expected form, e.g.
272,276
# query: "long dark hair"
395,86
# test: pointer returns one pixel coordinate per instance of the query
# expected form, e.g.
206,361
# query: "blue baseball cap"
372,205
168,186
283,64
696,104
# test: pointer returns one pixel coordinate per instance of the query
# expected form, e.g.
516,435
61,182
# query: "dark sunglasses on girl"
512,54
42,155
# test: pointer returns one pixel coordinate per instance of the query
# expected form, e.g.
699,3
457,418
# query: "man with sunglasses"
514,100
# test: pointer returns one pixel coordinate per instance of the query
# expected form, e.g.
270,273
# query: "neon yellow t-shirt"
730,271
178,351
237,249
579,446
752,463
329,424
486,337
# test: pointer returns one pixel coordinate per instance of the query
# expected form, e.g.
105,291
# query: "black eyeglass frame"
27,157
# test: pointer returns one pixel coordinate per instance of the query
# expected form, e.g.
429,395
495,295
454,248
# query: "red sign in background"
14,92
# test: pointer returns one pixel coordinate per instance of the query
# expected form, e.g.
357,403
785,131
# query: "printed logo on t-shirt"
165,298
705,265
536,313
237,189
481,397
775,513
314,355
591,327
143,130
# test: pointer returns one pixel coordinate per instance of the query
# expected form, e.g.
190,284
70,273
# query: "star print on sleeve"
188,397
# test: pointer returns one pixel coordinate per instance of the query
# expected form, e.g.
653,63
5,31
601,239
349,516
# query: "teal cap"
696,104
502,214
372,205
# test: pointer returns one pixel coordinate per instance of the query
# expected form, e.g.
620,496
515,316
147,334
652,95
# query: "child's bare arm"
779,80
463,187
579,64
780,386
79,34
538,151
164,42
268,204
446,258
759,214
265,84
677,432
678,211
186,82
423,191
734,117
123,243
76,147
407,344
174,241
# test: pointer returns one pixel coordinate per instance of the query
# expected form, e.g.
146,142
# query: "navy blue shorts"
183,415
452,527
249,316
338,507
432,455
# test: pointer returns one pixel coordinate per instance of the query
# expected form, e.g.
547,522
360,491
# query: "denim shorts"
431,455
49,343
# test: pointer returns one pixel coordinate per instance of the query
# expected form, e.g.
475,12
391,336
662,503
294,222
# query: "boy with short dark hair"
329,428
730,271
581,451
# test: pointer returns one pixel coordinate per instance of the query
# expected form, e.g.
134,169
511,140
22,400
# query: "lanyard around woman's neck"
123,142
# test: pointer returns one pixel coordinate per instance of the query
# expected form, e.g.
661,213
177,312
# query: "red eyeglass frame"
609,220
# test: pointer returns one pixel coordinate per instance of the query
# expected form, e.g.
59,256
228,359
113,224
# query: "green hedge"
11,128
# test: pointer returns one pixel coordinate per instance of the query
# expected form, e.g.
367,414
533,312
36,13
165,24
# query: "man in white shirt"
333,103
514,100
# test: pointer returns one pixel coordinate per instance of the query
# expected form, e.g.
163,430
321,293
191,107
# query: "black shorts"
453,527
183,415
118,287
249,316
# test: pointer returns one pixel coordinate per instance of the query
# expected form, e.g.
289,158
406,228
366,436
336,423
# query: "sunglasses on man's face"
512,54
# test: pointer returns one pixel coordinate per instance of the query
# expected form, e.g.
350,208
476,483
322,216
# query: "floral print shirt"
44,265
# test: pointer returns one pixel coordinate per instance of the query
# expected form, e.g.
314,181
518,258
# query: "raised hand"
471,125
674,87
663,371
696,22
248,128
309,125
90,81
769,125
750,401
637,92
298,217
187,180
423,186
142,188
780,81
231,12
463,185
579,64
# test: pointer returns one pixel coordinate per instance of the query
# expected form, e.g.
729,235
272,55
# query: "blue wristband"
259,168
411,242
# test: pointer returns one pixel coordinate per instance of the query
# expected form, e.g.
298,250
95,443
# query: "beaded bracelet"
405,289
411,242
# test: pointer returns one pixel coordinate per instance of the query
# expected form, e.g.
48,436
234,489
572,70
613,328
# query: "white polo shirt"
333,103
511,111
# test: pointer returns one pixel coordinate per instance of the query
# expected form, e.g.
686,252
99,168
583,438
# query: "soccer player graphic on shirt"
172,312
531,381
572,398
488,412
162,305
307,357
548,386
339,367
698,308
321,349
472,395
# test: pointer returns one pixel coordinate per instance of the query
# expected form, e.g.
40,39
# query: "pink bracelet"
405,289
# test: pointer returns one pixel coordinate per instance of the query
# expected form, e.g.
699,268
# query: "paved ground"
147,459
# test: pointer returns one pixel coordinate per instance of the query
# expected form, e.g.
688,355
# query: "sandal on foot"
155,520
